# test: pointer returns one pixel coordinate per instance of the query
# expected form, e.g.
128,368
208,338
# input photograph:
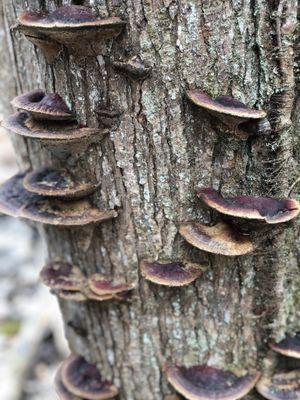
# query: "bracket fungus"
43,106
220,238
290,346
243,121
16,201
280,386
62,275
269,210
202,382
51,182
84,380
102,286
60,388
172,273
78,28
52,132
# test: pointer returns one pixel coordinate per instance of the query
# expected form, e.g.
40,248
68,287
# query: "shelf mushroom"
242,120
16,201
50,182
172,273
77,377
202,382
220,238
280,386
289,346
78,28
266,209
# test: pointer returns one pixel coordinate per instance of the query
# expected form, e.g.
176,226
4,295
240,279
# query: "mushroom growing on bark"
50,182
280,386
220,238
242,120
18,202
289,346
62,275
269,210
172,273
202,382
84,380
78,28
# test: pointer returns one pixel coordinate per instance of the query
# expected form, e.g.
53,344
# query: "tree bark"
160,149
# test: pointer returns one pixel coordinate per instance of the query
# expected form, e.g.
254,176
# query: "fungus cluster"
69,283
226,239
48,195
78,379
78,28
240,120
282,385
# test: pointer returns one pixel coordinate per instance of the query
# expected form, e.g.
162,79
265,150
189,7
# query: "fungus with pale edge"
84,380
50,182
244,120
101,285
134,68
202,382
53,132
70,295
43,106
280,386
218,239
18,202
78,28
290,346
60,388
62,275
171,274
267,209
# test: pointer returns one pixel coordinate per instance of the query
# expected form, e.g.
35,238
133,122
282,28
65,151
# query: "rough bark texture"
160,148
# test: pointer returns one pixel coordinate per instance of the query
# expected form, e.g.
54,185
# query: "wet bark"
160,149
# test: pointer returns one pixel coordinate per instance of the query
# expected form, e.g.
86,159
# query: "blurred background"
31,333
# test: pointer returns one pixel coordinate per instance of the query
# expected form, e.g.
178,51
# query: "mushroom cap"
22,124
40,105
62,275
18,202
280,386
60,388
70,17
219,239
171,274
290,346
84,380
100,285
202,382
224,105
50,182
70,295
270,210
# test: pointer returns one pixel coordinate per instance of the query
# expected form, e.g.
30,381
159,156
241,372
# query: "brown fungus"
78,28
242,120
102,286
61,390
289,346
280,386
219,239
84,380
269,210
172,273
18,202
62,275
70,295
202,382
51,182
43,106
52,132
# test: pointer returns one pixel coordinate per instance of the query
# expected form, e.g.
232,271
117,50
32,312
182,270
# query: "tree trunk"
160,149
